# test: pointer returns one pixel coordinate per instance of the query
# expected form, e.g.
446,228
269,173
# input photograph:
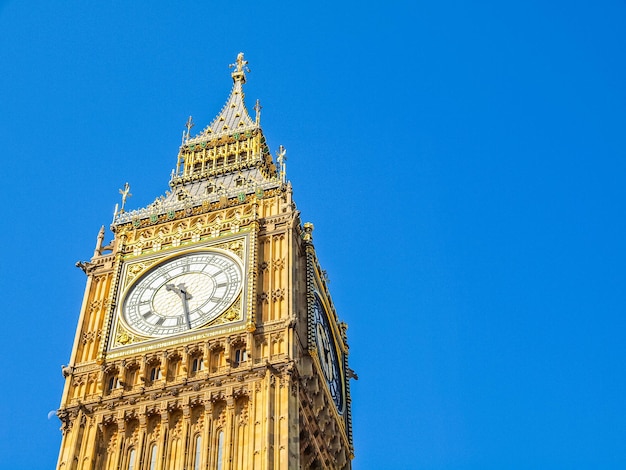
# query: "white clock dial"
327,353
182,293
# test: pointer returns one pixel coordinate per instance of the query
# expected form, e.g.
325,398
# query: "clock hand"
328,357
184,297
329,360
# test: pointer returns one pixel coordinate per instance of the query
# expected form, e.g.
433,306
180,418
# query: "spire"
233,144
257,109
282,162
98,249
234,117
228,160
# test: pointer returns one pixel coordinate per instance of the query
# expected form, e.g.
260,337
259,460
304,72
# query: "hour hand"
180,291
182,288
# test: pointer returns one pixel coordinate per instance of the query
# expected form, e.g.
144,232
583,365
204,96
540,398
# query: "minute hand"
184,297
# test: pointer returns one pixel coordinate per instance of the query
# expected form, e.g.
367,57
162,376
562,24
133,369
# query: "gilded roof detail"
229,158
234,117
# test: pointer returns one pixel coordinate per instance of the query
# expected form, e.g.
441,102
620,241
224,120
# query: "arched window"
220,450
112,383
131,459
155,372
197,453
197,364
153,457
240,355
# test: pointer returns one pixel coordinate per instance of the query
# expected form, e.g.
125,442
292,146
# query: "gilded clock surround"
232,318
247,389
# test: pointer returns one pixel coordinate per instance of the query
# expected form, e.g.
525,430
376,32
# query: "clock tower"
207,337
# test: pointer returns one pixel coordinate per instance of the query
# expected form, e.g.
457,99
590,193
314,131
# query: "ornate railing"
164,206
205,136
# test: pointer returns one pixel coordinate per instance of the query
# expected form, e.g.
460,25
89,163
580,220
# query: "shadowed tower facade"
207,337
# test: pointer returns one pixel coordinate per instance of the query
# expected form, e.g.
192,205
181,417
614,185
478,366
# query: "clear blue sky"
464,165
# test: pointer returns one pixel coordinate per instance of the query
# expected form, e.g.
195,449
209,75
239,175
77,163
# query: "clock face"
182,293
327,353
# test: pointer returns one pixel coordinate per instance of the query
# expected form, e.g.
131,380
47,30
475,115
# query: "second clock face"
182,293
327,353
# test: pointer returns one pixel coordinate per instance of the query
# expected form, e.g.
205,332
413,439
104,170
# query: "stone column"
162,451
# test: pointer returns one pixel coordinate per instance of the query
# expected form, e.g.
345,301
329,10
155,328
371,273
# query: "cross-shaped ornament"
125,194
189,124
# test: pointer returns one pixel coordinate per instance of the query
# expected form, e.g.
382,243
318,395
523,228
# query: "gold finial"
240,66
282,161
188,125
257,108
125,194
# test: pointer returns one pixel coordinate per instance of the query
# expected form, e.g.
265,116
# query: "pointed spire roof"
234,117
227,162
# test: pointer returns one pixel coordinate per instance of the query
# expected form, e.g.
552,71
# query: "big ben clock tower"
207,338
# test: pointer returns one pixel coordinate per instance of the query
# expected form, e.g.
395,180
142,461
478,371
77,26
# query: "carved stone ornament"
278,294
234,313
124,337
136,269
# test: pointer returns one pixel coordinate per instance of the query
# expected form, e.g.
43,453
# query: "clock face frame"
327,353
182,293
